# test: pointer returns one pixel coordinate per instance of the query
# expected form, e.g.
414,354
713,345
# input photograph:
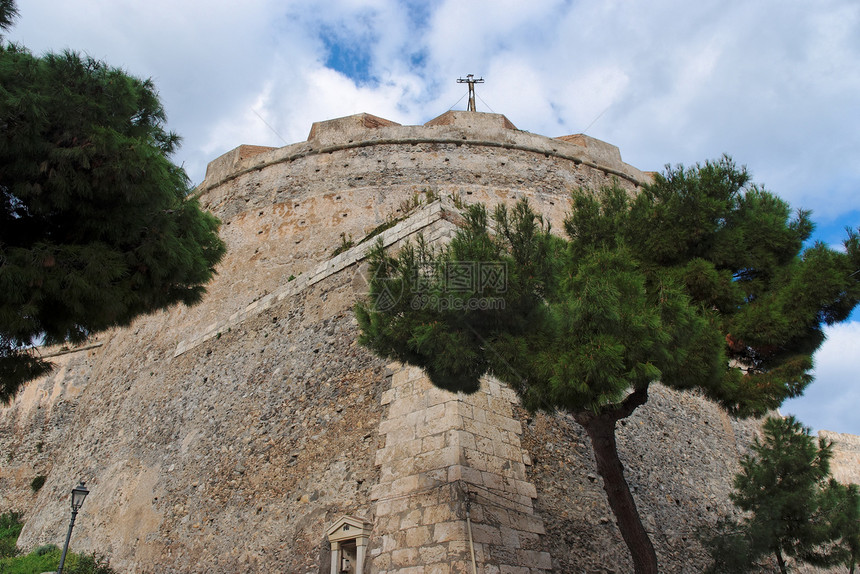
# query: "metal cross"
470,79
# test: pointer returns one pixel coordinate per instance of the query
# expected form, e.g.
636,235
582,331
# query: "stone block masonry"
445,453
230,436
286,210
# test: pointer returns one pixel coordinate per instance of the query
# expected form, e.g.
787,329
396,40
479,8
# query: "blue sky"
774,83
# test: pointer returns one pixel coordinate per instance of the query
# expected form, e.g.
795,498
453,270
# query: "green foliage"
410,204
382,227
344,244
841,505
431,194
32,563
457,200
96,223
38,482
409,289
8,13
730,548
793,510
699,281
47,559
737,251
10,528
42,558
87,564
780,487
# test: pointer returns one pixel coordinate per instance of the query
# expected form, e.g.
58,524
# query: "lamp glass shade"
79,493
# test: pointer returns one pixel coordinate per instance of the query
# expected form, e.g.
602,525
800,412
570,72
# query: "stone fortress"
252,434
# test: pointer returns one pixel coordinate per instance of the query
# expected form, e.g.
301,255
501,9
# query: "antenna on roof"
269,126
470,79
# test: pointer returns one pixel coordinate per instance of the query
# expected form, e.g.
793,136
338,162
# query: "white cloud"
833,400
774,83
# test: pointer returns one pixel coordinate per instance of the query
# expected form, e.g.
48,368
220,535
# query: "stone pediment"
348,528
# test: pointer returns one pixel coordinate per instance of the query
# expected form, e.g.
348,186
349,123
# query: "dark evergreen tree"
96,223
8,13
781,486
699,282
794,509
730,547
840,504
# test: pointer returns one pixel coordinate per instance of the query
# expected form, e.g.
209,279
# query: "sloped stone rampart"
227,437
229,458
431,222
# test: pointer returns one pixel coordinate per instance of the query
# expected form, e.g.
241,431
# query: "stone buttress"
447,456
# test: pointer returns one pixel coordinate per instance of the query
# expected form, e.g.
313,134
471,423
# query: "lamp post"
79,493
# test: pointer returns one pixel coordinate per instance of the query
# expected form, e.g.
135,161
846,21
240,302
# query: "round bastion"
251,433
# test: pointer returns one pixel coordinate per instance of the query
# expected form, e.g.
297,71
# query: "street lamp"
79,493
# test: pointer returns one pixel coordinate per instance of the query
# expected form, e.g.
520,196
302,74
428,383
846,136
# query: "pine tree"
794,509
781,486
699,282
96,224
840,504
8,13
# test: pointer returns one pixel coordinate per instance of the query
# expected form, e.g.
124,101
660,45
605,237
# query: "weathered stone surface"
235,455
227,437
845,465
471,500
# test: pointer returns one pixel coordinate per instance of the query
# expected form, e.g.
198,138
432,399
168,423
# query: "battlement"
471,129
476,121
224,164
344,129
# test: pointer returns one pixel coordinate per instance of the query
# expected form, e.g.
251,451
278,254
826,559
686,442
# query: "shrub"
32,563
87,564
47,558
42,558
38,483
10,528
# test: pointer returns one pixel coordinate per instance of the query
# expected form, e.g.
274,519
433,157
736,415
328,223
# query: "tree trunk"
780,561
601,431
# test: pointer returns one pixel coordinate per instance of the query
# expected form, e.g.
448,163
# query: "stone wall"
231,457
679,452
286,211
229,436
845,465
447,455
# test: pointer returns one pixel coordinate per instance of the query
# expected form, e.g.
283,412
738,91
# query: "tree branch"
623,410
634,400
